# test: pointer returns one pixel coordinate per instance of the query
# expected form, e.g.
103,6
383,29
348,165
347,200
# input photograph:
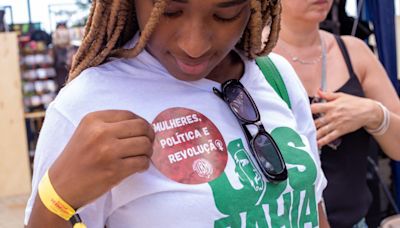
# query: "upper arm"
373,77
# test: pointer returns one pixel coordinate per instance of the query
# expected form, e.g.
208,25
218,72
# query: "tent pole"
29,11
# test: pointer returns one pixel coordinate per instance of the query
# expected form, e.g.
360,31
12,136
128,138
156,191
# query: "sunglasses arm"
218,93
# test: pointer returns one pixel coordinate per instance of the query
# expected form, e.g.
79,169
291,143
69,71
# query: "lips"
193,68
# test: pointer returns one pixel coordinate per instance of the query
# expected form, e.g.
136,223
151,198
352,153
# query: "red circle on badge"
188,147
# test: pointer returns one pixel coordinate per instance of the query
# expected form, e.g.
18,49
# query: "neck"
301,42
299,34
231,67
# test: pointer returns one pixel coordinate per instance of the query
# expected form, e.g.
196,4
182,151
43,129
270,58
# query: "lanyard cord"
323,65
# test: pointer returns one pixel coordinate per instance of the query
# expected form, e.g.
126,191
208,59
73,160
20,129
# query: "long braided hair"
112,23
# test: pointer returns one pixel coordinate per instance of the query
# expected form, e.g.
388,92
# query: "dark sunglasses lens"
240,103
268,155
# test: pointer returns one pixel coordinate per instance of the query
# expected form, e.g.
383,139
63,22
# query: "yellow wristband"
52,200
79,225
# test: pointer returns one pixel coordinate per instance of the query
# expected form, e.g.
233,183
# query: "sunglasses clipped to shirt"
262,145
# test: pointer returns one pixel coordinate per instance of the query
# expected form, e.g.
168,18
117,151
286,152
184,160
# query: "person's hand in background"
343,113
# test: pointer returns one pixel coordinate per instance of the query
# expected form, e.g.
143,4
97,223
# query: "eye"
173,11
228,16
173,14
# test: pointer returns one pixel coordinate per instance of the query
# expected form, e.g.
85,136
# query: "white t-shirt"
202,172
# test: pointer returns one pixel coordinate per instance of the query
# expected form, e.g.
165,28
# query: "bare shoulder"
355,45
362,57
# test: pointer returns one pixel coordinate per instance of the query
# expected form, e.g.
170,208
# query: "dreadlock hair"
112,23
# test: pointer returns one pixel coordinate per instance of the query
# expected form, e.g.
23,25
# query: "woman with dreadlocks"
167,121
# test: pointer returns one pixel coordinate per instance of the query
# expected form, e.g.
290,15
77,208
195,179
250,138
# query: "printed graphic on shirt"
188,147
248,201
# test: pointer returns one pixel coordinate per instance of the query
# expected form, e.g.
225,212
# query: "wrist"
380,122
61,184
375,116
55,204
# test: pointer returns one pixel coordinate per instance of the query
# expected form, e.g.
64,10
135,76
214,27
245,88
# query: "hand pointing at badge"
106,147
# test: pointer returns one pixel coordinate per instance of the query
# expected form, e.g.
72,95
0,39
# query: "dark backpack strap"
345,54
273,77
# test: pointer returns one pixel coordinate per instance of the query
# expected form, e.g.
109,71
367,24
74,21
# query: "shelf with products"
38,86
43,71
37,75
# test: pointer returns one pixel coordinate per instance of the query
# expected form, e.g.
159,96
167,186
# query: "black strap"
345,54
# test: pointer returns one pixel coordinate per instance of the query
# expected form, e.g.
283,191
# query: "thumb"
328,95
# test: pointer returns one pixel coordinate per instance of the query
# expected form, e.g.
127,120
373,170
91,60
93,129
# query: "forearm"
390,140
384,125
42,217
323,220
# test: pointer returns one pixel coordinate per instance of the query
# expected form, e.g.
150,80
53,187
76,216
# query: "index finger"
112,116
133,128
319,108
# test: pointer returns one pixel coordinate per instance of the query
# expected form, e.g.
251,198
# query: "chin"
318,18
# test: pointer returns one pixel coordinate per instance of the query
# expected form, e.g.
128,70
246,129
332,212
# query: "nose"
194,39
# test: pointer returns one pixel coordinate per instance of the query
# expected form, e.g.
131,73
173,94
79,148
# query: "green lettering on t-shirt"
247,195
302,175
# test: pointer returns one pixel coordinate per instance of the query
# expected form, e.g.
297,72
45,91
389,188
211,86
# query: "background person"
62,44
360,103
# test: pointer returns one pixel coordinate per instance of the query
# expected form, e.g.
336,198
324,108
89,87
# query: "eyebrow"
221,4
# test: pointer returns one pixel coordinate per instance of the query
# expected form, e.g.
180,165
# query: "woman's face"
194,36
314,11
